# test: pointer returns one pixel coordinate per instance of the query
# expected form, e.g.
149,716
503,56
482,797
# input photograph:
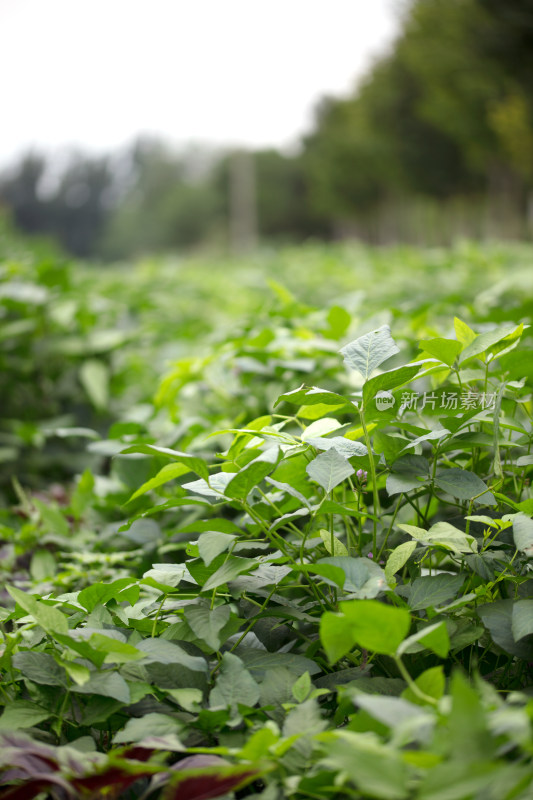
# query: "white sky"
96,73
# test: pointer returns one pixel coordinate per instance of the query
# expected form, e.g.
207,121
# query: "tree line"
436,140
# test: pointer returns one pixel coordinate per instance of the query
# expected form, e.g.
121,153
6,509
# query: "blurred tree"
168,201
374,147
74,211
79,207
441,115
19,191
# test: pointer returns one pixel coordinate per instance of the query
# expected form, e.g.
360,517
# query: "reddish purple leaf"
33,787
114,778
209,782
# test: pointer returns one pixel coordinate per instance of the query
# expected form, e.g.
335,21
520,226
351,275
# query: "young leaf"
332,544
464,333
302,687
192,462
431,682
329,469
391,379
311,395
377,627
433,637
368,623
443,534
446,350
241,484
231,568
212,543
207,623
168,473
398,558
101,593
369,351
485,341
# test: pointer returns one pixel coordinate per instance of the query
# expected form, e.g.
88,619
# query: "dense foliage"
435,141
232,563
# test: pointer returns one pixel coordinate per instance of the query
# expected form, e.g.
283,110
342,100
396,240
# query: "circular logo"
384,400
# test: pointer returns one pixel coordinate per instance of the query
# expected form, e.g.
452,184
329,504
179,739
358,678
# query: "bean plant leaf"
207,623
241,484
286,487
363,578
41,668
369,351
168,473
94,377
464,333
391,379
160,651
344,446
523,533
485,341
107,684
301,687
522,619
152,724
432,590
367,623
312,395
231,568
234,684
465,485
432,682
433,637
329,469
261,662
212,543
446,350
376,770
498,618
194,463
398,558
443,534
333,545
23,714
408,472
48,617
101,593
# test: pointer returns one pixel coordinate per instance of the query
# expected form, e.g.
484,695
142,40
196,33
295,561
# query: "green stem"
382,548
412,685
252,622
374,481
154,626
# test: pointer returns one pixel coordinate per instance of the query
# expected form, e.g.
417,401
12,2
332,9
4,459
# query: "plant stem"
411,684
374,482
382,548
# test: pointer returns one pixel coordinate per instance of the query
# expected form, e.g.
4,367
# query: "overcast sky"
96,73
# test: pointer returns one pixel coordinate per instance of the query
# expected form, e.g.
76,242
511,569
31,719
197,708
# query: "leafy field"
267,525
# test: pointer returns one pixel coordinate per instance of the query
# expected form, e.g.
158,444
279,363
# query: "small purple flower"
361,475
370,555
